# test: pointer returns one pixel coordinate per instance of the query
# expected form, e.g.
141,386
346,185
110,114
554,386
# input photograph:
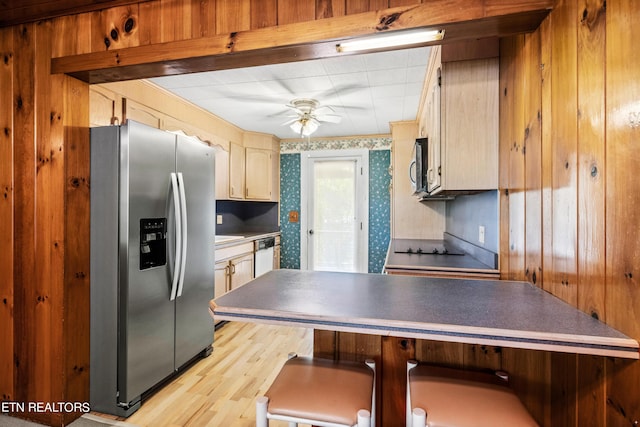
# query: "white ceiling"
367,90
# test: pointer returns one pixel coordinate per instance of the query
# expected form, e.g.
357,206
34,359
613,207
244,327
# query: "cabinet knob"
310,232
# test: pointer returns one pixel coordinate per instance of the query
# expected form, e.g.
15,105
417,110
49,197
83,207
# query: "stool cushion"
321,390
453,397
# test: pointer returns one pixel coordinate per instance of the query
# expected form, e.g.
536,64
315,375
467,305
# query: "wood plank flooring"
221,389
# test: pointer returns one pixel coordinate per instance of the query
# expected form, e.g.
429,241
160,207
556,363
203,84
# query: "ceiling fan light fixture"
304,127
399,38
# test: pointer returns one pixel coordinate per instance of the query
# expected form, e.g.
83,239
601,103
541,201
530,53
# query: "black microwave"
418,167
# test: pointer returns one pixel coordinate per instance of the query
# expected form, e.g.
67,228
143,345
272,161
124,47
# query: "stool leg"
409,416
261,412
419,418
364,418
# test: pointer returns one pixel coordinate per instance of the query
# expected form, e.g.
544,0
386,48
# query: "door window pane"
334,216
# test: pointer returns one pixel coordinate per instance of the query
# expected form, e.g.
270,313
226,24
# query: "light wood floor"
220,390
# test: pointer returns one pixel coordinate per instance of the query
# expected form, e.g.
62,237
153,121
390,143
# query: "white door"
334,207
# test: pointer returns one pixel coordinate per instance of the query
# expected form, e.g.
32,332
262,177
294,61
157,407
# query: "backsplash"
246,217
465,214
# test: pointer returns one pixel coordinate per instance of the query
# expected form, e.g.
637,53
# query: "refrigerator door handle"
178,259
183,204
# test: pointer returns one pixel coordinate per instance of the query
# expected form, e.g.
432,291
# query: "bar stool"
438,396
320,392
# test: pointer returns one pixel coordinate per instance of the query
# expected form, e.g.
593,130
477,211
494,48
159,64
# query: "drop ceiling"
367,90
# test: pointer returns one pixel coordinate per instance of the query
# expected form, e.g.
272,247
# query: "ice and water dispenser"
153,242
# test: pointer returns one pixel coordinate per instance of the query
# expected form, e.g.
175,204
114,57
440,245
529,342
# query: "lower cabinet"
234,267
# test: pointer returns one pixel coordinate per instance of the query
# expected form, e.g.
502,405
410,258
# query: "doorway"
334,203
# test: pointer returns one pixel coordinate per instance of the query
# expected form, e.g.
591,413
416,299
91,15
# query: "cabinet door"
434,155
221,279
222,174
236,171
241,270
258,174
470,114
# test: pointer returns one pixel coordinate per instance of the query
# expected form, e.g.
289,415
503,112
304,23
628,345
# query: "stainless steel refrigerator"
152,260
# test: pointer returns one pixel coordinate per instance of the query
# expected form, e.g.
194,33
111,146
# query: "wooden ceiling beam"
462,20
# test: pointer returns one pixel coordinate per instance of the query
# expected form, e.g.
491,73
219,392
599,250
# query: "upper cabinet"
254,168
460,120
236,171
258,174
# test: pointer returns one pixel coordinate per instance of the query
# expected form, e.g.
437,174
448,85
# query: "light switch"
481,234
218,219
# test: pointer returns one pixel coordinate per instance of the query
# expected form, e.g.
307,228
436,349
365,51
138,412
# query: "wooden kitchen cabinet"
234,267
232,273
236,171
461,122
254,168
258,176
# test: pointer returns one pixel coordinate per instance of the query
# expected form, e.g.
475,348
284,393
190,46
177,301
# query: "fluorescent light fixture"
381,41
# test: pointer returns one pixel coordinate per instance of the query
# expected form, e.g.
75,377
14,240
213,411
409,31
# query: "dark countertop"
247,237
483,261
491,312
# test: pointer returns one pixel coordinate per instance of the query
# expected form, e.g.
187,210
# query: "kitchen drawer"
233,251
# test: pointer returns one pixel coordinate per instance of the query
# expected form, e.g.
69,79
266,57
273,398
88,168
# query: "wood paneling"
517,184
292,11
232,16
26,297
264,13
591,160
532,152
622,298
74,215
18,12
6,215
564,151
233,22
589,198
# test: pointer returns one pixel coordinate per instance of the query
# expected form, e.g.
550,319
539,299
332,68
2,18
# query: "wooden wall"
44,211
569,197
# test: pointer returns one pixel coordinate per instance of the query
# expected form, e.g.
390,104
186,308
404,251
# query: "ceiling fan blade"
325,107
288,122
329,118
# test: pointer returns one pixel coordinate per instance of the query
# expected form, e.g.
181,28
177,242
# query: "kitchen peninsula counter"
491,312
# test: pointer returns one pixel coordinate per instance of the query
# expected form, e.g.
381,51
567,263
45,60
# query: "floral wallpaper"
379,197
299,145
379,208
289,201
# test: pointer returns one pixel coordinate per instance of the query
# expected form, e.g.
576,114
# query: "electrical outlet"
218,219
481,234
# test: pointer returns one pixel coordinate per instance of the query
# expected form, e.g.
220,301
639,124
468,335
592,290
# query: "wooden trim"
313,40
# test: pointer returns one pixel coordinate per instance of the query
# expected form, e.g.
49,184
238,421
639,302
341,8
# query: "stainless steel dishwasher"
264,255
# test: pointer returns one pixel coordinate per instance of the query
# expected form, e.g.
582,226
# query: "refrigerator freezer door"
194,326
146,312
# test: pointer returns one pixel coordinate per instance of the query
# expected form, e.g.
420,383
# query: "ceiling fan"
309,114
